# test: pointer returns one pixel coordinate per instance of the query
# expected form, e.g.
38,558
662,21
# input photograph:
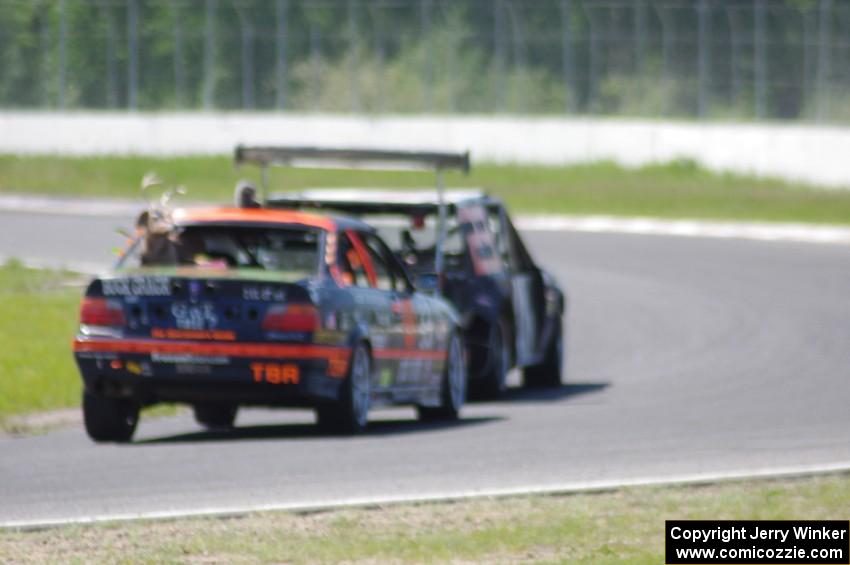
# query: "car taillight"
291,318
101,312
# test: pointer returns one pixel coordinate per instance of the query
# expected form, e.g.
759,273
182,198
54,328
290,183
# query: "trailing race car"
242,306
463,245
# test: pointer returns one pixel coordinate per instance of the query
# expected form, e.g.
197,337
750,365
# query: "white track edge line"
563,488
760,231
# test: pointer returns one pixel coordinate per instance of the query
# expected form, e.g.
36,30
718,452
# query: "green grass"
625,526
675,190
38,318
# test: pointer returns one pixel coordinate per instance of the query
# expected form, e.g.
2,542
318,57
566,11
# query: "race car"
460,244
225,307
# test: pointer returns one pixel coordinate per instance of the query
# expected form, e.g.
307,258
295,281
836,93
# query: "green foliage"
475,56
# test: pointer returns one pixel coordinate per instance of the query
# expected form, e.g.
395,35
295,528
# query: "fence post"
315,60
179,67
63,52
281,8
568,64
704,55
593,72
760,57
353,83
808,22
111,78
735,52
426,8
209,54
824,60
132,54
668,38
518,56
246,30
640,36
499,56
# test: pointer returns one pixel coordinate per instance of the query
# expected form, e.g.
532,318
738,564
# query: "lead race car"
222,307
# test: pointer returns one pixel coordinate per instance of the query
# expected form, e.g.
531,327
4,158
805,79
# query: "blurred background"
701,59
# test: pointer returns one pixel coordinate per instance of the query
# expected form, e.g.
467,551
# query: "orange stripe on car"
252,215
143,346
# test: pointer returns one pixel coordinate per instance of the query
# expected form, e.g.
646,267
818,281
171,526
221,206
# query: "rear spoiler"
380,159
265,156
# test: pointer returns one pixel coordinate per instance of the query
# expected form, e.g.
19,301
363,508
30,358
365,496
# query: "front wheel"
453,389
109,419
351,414
550,371
494,382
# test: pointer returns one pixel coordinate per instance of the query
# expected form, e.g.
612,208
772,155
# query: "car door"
414,326
526,289
372,306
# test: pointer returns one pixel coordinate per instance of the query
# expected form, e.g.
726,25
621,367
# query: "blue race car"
225,307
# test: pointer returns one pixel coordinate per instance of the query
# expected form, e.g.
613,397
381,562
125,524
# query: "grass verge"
676,190
38,377
38,317
624,526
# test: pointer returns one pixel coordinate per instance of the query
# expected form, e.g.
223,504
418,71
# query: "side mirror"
428,282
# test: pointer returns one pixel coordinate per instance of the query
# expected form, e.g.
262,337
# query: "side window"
351,266
479,240
383,275
395,276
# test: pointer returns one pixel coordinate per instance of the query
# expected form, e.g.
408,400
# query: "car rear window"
291,251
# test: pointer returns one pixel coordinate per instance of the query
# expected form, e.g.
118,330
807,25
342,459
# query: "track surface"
685,356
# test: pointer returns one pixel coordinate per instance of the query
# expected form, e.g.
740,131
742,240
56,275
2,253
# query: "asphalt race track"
686,356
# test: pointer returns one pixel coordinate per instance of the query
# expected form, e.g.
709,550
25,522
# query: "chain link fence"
706,59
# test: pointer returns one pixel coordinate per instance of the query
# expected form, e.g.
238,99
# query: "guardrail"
816,154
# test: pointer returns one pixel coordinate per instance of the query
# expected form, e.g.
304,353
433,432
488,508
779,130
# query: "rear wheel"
453,389
109,419
351,414
549,372
218,415
494,381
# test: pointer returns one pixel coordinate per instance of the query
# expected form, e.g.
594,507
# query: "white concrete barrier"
816,154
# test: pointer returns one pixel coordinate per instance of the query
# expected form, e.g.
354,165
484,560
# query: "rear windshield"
291,251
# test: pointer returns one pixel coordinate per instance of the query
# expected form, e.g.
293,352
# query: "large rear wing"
312,157
380,159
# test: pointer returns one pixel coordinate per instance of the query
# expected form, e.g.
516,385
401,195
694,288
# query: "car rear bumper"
169,371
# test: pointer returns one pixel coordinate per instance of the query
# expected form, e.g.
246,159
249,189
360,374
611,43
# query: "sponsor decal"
188,358
194,316
276,373
386,377
265,293
201,335
138,368
137,286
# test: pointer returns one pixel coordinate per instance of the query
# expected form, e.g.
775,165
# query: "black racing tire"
452,389
109,419
549,373
494,382
350,415
216,415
